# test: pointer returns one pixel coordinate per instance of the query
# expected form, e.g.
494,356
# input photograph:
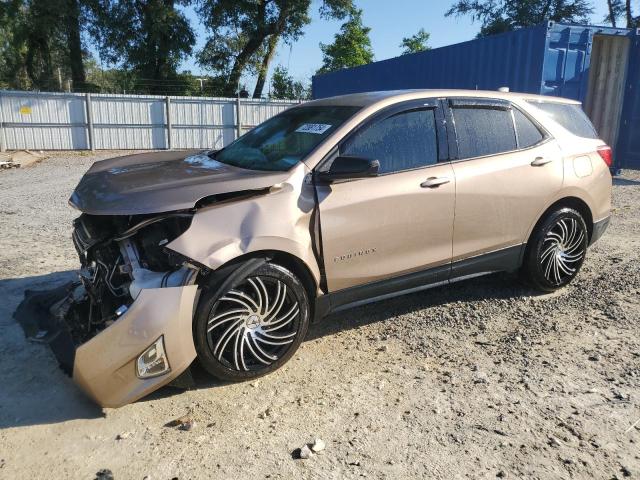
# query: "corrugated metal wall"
512,59
125,122
68,121
202,122
57,121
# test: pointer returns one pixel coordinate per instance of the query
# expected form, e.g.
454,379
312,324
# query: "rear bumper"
105,366
599,228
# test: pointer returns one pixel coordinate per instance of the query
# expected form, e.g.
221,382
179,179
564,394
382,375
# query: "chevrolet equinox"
227,256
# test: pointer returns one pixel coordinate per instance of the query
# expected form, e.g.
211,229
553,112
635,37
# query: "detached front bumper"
105,365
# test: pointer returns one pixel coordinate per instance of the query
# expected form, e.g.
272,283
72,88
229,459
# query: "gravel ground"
480,379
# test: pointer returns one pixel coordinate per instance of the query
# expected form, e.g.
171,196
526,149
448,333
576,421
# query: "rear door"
400,221
507,169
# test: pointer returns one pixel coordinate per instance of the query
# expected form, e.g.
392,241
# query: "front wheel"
556,250
253,326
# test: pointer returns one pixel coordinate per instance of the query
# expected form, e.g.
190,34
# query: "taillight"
606,154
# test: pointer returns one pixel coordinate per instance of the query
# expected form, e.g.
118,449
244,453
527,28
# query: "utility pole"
59,79
201,80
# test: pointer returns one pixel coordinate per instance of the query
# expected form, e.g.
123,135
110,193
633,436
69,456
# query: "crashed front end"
124,328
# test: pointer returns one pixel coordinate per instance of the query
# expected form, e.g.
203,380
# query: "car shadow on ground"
35,391
499,286
624,182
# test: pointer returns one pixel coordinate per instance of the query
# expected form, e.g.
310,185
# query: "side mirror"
347,168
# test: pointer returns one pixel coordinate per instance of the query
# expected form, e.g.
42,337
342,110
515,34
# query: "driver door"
400,221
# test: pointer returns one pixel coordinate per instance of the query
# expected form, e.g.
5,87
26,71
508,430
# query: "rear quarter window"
528,134
569,116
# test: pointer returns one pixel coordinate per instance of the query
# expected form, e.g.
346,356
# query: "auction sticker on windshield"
317,128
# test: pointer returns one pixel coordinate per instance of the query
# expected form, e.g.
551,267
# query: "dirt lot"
481,379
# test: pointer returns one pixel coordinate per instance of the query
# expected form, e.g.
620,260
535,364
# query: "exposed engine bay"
122,324
120,256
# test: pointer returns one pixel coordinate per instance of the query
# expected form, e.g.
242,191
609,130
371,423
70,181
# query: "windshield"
284,140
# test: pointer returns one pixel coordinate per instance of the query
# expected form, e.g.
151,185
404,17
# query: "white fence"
78,121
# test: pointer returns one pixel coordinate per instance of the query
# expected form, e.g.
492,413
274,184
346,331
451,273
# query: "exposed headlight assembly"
153,361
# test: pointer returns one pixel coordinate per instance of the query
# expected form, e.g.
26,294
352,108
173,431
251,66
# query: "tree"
270,50
284,87
632,21
13,48
351,46
615,9
219,53
44,41
416,43
149,37
260,24
498,16
74,41
41,41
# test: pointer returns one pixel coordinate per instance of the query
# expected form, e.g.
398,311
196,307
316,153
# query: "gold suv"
226,256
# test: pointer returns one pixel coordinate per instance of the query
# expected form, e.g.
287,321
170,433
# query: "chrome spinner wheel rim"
562,250
253,324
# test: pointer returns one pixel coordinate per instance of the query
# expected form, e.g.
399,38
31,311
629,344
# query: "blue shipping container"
549,59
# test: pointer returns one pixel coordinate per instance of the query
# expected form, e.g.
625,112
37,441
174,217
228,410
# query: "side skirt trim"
506,259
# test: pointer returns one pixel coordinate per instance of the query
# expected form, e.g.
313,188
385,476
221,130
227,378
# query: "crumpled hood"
161,182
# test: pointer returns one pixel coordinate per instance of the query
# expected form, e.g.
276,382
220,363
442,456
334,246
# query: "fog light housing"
153,361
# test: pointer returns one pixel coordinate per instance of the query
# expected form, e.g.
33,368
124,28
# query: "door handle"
435,182
539,161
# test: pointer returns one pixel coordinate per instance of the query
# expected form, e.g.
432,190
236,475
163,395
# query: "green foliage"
416,43
13,48
615,11
351,46
147,37
33,43
40,43
284,87
249,27
219,53
499,16
627,10
119,80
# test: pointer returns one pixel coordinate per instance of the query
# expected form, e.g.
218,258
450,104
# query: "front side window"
570,116
483,130
402,141
284,140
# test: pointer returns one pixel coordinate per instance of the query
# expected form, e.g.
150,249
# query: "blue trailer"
599,66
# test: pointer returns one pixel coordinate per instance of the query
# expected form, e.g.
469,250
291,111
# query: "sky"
389,20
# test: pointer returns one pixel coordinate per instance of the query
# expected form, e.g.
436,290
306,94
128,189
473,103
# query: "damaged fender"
280,220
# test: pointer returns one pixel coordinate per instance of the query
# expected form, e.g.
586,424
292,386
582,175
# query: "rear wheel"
252,326
556,250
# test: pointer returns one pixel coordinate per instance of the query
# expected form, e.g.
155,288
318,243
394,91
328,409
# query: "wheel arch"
575,203
285,259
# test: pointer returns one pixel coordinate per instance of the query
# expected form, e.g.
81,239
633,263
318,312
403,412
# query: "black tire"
556,250
238,334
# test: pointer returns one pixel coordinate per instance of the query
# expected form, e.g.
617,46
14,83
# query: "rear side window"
483,131
528,133
403,141
569,116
